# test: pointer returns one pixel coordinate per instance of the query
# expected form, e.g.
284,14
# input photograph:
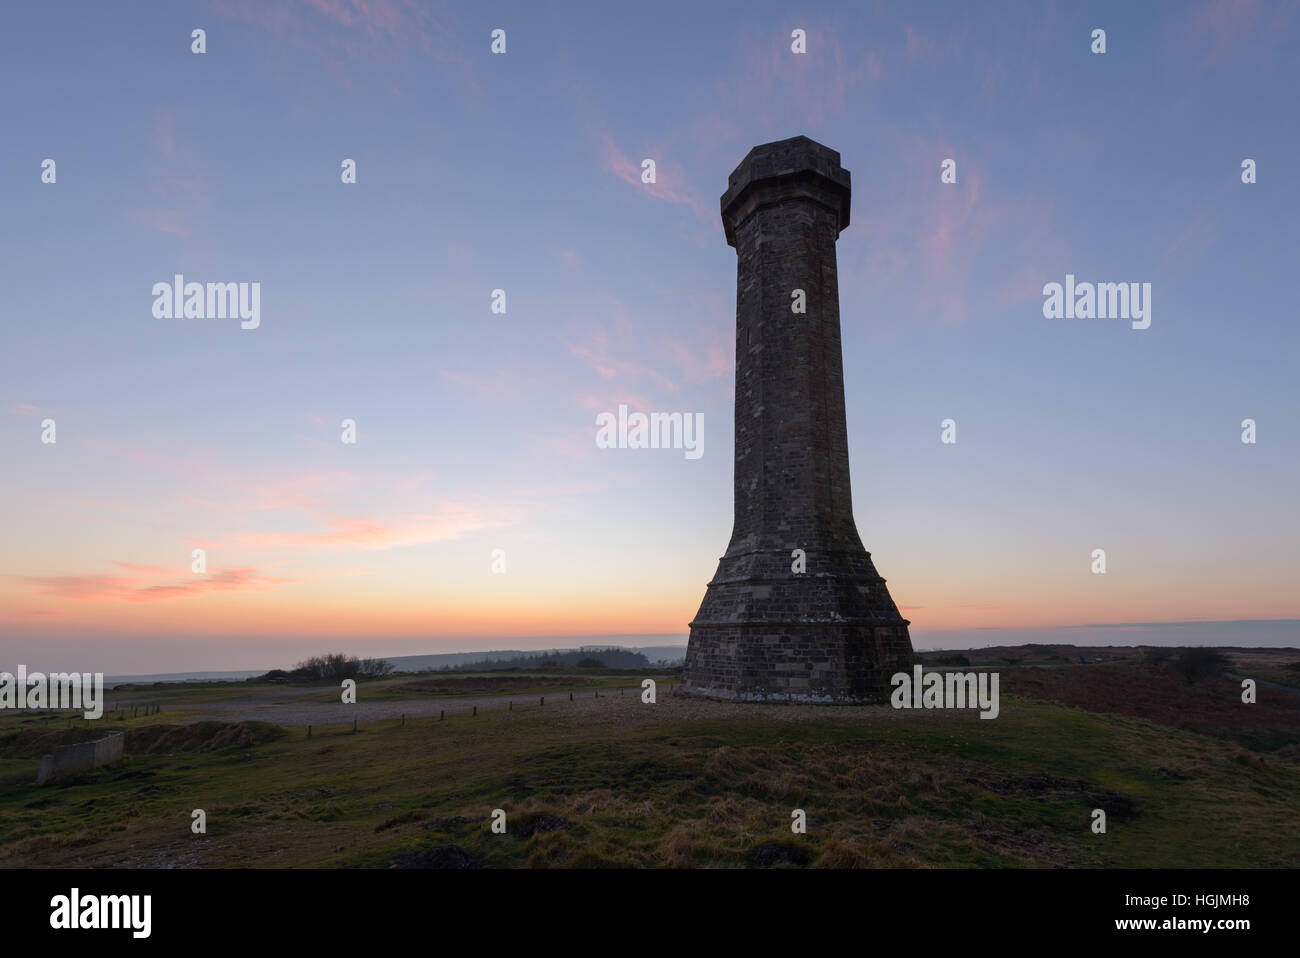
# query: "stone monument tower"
769,629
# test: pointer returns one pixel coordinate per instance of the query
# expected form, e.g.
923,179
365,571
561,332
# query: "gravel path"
285,707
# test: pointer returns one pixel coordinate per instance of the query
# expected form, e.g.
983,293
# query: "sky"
522,171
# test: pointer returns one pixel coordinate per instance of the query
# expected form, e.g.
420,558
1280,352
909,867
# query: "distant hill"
112,681
656,654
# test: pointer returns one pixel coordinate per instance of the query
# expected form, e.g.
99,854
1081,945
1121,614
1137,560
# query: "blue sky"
521,171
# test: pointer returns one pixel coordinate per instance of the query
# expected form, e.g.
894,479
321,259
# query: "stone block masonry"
764,632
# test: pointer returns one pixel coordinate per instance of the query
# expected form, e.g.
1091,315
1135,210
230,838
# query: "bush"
1197,664
334,667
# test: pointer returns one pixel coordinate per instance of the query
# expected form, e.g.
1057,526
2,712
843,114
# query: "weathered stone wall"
68,759
765,632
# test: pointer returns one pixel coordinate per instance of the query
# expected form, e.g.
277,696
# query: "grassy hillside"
610,781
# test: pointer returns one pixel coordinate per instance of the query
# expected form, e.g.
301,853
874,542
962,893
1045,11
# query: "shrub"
1197,664
334,667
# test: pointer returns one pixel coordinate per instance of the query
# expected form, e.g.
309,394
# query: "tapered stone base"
750,642
814,662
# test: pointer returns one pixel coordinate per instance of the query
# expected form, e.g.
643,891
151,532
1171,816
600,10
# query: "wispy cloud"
139,587
178,187
669,185
343,32
452,521
791,93
1224,24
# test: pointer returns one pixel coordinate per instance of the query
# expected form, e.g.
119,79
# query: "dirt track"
285,707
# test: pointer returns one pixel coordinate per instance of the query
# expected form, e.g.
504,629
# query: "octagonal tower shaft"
765,631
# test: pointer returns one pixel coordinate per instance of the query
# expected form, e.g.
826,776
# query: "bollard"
354,725
309,731
570,696
476,710
510,706
442,715
543,702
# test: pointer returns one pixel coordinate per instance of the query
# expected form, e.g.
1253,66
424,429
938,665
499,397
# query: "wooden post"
543,702
476,710
403,720
442,715
510,707
570,696
309,731
354,725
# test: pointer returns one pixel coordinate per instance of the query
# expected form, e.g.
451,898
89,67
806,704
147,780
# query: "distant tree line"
331,667
613,658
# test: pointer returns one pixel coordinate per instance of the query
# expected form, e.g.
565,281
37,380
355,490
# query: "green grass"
943,790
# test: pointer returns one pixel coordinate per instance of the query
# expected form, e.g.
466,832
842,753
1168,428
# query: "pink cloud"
793,93
503,384
609,402
342,31
931,237
451,522
917,45
665,174
1193,240
165,132
164,221
644,361
138,588
175,179
1225,22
